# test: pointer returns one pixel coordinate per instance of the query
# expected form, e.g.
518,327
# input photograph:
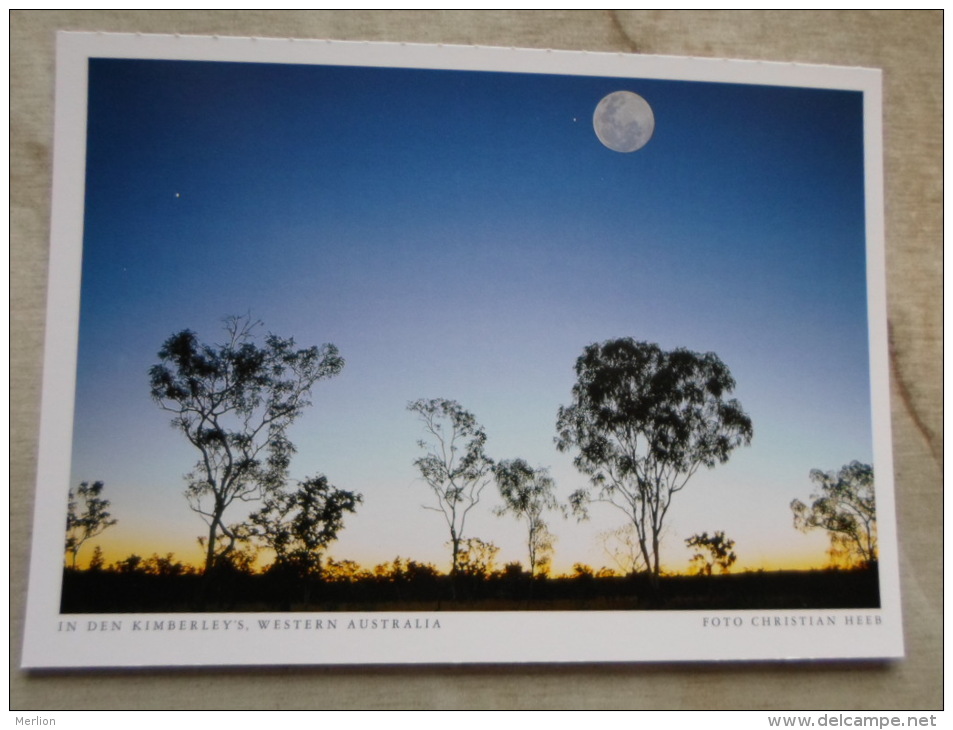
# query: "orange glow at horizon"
116,550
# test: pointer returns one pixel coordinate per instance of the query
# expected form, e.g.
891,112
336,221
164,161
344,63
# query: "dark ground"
113,592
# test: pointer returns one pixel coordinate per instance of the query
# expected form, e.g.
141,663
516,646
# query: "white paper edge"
462,637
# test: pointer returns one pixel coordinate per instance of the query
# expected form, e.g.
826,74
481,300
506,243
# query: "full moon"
623,121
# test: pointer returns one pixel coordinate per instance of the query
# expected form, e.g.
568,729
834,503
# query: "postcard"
370,353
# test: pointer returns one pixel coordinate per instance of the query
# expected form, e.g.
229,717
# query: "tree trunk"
656,597
454,567
209,564
210,547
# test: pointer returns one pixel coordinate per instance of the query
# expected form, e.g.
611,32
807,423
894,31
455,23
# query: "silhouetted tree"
97,562
87,516
712,551
582,571
166,566
455,467
344,571
514,571
234,402
643,421
477,558
844,504
417,572
131,564
403,570
240,560
527,493
298,526
622,545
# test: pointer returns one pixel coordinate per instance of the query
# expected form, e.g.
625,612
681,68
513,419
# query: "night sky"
465,235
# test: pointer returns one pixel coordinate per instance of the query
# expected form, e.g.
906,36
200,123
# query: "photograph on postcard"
364,341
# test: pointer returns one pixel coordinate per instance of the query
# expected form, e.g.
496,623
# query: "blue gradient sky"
464,235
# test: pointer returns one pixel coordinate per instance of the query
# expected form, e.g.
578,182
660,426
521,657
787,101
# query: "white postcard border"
126,640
